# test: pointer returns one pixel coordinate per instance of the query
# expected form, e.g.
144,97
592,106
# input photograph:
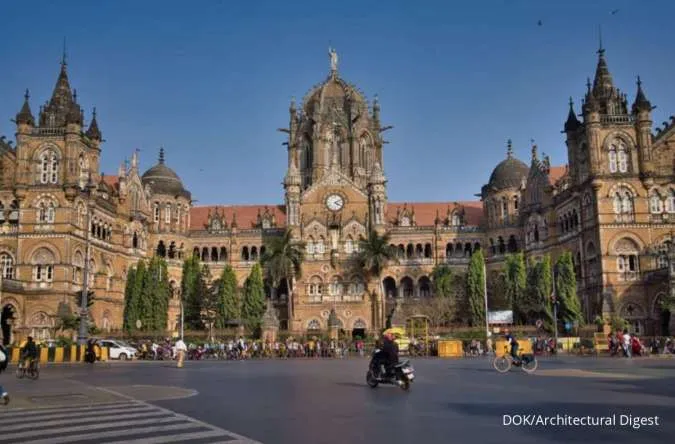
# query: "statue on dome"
333,59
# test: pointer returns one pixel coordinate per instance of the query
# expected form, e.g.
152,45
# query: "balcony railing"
617,120
48,132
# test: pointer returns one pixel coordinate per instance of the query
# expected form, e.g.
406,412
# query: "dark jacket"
390,351
29,350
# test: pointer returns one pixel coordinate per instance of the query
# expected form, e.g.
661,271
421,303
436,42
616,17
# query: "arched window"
655,203
43,265
427,251
349,245
618,157
455,220
48,170
172,250
78,266
46,212
407,286
670,201
167,214
161,249
134,240
155,211
314,289
313,325
662,259
244,253
309,247
320,247
627,261
6,266
425,287
335,286
410,251
623,205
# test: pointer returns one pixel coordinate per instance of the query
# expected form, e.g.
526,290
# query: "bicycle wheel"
529,364
502,364
34,373
20,372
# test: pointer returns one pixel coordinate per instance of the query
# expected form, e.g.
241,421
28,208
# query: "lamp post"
84,324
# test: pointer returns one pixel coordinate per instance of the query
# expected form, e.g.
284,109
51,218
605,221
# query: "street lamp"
84,330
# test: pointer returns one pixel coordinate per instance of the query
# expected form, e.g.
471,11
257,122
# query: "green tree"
253,302
537,303
129,300
283,259
475,289
566,290
443,308
227,297
375,254
515,278
156,296
134,296
191,286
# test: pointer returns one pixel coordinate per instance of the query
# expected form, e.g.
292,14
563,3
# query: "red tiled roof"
425,212
556,172
112,181
247,215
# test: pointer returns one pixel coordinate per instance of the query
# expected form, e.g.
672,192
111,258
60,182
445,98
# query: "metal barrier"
74,353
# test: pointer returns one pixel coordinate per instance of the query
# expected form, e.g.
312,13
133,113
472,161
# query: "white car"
118,349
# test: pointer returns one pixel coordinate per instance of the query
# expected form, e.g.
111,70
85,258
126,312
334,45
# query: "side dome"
164,180
509,173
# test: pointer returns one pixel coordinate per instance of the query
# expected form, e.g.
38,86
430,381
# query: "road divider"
73,353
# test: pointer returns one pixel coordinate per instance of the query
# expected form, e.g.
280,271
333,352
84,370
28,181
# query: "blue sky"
211,80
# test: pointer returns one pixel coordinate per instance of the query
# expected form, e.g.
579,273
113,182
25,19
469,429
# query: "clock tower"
335,192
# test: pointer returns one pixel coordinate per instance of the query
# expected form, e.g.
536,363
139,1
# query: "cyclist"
513,342
29,353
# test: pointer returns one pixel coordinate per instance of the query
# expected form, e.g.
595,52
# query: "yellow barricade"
15,355
58,354
524,346
450,348
103,353
44,354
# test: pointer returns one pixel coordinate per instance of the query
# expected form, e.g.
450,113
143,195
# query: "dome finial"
509,149
333,60
534,150
161,155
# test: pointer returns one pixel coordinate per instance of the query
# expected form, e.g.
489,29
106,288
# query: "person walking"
4,360
181,348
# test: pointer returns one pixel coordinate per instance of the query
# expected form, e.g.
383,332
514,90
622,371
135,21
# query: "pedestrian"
4,360
181,348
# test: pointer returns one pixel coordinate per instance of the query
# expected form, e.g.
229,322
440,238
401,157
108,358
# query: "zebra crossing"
111,423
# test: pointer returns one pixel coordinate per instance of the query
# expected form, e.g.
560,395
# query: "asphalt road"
327,401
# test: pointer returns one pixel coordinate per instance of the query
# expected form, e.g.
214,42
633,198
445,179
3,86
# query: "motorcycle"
403,374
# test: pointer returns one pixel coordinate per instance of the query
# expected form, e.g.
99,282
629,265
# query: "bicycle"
528,362
32,371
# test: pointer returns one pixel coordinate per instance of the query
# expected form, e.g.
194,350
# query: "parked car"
118,349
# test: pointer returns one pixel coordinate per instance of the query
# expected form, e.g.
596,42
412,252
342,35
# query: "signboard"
500,317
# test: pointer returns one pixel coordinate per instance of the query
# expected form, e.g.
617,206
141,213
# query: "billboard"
500,317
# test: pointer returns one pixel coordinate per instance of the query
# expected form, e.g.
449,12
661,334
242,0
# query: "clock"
335,202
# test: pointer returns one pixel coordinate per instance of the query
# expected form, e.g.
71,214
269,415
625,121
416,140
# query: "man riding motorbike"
387,356
29,352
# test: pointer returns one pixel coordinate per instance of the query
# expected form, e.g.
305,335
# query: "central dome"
164,180
509,173
332,90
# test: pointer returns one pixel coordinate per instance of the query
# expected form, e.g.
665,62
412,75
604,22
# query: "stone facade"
613,206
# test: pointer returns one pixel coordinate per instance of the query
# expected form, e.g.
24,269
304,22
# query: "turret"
572,125
93,132
377,197
25,115
642,112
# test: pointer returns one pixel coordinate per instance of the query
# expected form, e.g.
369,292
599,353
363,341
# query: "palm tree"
283,259
375,254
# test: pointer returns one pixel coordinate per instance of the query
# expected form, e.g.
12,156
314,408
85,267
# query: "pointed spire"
641,102
59,107
376,108
25,116
93,132
161,155
63,56
572,122
534,152
509,149
292,109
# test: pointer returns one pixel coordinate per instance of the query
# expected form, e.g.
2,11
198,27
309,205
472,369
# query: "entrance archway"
359,329
8,319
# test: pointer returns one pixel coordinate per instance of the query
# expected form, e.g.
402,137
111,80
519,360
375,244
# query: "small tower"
571,130
377,196
642,113
292,184
93,132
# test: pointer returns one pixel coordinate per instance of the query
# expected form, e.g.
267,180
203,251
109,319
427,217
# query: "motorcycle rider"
387,356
